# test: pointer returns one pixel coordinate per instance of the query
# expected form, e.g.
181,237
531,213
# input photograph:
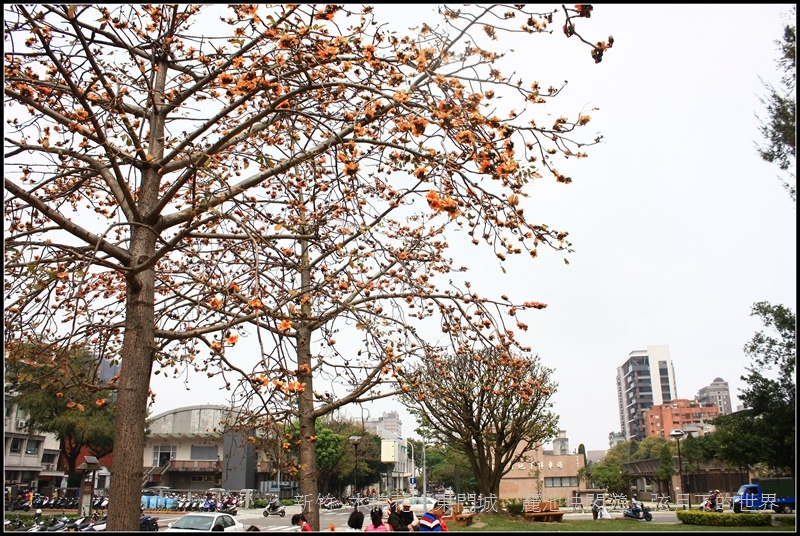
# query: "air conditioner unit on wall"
21,425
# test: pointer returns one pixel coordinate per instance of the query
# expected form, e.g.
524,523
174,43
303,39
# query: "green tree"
453,470
610,472
63,394
582,452
779,129
666,469
764,433
435,463
692,453
771,385
649,448
336,457
608,475
286,172
738,439
490,405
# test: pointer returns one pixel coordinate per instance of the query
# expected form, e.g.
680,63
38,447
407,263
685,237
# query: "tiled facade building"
689,415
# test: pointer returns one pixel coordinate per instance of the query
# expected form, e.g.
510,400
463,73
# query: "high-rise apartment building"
388,425
644,379
718,394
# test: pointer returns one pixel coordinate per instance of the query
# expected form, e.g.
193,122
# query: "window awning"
178,435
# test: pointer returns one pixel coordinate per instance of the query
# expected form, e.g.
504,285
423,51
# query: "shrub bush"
697,517
514,507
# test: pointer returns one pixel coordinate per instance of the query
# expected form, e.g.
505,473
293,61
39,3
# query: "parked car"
155,490
204,522
420,505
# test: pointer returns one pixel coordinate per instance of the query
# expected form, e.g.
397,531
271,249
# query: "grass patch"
503,522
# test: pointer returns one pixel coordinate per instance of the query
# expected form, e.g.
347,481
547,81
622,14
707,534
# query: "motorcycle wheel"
648,516
283,513
266,514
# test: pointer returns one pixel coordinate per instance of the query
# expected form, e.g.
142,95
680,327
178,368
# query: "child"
300,521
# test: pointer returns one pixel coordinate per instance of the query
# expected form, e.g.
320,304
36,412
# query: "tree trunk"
137,361
139,343
309,474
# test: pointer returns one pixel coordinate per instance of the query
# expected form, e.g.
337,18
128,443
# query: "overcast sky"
678,226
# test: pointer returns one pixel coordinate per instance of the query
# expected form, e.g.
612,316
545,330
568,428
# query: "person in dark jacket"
408,517
394,518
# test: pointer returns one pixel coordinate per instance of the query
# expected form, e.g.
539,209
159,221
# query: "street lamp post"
424,481
413,473
354,440
677,434
87,489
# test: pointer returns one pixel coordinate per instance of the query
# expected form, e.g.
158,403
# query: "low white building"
30,458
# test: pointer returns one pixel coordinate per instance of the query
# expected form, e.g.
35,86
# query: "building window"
33,447
162,454
204,452
202,478
16,445
49,457
561,481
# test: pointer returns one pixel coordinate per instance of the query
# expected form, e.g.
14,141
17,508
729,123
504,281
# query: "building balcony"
267,467
195,466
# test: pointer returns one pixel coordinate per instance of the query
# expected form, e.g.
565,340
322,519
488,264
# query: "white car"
204,522
420,505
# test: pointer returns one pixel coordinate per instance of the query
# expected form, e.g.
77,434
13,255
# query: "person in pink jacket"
377,524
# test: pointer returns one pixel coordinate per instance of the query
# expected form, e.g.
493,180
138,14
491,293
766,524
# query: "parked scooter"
59,524
56,524
20,504
10,525
638,511
77,525
274,507
148,524
98,524
210,505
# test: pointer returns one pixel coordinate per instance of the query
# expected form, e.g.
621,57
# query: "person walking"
432,521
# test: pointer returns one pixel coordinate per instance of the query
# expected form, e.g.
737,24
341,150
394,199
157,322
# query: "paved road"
339,518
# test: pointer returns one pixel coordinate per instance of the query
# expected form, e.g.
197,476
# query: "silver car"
420,505
205,522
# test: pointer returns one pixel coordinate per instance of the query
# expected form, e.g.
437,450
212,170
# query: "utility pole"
424,481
